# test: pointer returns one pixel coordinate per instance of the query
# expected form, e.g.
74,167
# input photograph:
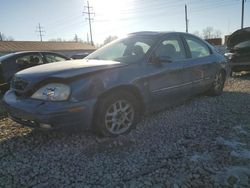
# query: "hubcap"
119,117
218,82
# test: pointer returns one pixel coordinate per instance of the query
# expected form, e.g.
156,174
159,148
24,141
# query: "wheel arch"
128,88
224,72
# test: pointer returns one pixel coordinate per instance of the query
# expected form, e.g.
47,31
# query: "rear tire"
218,84
117,113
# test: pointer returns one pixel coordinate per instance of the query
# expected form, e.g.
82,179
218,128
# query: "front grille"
19,84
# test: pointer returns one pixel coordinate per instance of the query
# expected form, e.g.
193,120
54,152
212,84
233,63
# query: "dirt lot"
202,143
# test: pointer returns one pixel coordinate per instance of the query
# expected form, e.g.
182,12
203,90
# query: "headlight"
52,92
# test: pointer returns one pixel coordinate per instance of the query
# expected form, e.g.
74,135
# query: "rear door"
200,66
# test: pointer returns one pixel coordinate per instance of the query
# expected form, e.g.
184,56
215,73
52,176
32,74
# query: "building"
66,48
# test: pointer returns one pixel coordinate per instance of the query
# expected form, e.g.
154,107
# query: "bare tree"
197,33
209,33
77,39
3,37
217,33
68,40
109,39
57,40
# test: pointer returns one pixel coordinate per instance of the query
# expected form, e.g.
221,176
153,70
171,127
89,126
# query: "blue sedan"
111,88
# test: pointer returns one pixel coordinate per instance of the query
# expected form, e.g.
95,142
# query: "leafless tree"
209,33
197,33
109,39
3,37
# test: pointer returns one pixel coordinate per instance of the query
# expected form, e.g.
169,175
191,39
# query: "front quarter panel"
95,85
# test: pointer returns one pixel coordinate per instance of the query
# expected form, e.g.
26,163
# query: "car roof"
157,33
160,33
23,52
237,37
4,57
163,33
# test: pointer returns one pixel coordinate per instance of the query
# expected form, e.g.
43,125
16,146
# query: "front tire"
117,113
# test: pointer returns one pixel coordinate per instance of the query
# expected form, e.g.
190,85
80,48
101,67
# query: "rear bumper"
55,115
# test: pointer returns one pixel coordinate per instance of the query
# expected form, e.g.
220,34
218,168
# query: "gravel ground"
2,111
202,143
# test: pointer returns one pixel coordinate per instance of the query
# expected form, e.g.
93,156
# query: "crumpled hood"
238,36
66,69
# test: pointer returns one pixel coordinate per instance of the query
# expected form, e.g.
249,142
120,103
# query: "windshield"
127,50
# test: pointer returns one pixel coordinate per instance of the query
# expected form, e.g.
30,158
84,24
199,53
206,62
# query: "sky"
65,18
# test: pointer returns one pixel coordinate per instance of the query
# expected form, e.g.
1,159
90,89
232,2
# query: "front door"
166,84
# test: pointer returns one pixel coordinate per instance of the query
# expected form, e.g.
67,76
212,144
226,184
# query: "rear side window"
27,61
53,58
197,47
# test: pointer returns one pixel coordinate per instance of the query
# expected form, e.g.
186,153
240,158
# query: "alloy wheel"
218,82
119,117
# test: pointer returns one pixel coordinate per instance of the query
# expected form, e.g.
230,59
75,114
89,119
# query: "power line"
89,19
40,31
161,10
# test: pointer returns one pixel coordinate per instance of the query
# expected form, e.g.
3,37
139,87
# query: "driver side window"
171,49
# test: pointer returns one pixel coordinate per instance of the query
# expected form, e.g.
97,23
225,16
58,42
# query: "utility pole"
88,38
89,19
40,31
186,19
242,13
76,38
